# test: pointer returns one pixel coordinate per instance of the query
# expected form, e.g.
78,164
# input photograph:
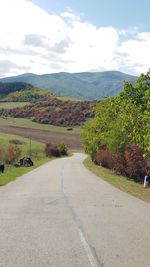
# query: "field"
7,105
26,123
37,154
70,139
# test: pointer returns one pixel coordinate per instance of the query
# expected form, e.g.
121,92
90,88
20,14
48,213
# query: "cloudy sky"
47,36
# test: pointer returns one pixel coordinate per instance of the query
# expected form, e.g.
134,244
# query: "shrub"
103,157
2,153
119,165
12,154
131,163
63,149
135,165
51,150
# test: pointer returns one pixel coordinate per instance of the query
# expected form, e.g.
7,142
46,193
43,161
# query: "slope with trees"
119,135
51,110
86,85
20,92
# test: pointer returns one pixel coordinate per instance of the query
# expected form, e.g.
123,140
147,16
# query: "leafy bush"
103,157
51,150
135,165
56,151
2,154
11,154
63,149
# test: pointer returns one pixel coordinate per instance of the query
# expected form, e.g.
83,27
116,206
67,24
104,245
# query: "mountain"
84,85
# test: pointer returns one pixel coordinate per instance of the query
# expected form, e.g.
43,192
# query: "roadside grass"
121,182
27,123
37,155
7,105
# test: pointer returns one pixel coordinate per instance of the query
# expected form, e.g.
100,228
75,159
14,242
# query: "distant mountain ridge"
84,85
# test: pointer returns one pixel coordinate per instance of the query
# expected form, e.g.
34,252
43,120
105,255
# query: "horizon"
30,73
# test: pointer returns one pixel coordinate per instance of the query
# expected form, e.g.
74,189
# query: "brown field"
72,140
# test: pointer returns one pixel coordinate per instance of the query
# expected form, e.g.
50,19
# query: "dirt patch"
72,140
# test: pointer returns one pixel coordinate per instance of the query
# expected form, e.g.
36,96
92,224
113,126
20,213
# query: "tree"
121,121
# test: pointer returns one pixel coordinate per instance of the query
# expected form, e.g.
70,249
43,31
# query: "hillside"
11,87
86,85
20,92
53,111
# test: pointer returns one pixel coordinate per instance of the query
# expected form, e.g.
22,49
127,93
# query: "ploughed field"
44,113
72,140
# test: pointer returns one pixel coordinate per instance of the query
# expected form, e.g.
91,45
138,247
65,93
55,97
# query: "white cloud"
34,41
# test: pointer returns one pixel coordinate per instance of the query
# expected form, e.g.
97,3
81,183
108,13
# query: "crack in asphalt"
90,250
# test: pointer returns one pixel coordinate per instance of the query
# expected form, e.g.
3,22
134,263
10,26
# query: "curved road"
61,214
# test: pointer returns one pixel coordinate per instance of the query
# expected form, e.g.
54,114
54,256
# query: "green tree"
121,120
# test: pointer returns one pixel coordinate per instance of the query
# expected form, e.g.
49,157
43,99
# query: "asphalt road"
60,214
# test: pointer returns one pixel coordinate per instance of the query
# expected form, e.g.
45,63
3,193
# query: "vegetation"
11,149
27,123
119,135
7,88
9,105
63,149
56,151
121,182
21,92
53,111
26,95
86,85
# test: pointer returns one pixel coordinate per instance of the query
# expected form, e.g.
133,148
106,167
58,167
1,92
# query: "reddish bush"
119,165
103,157
51,150
54,111
12,154
1,154
135,165
131,163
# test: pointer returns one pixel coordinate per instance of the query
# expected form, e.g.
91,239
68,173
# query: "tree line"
119,135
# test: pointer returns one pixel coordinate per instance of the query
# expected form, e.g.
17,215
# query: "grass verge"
11,173
121,182
37,154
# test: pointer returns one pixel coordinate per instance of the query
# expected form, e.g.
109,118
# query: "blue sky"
117,13
48,36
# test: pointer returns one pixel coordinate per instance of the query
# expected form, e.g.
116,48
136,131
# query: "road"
60,214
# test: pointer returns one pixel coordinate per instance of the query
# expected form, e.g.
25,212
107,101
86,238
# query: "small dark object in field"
16,142
69,129
26,162
2,167
16,165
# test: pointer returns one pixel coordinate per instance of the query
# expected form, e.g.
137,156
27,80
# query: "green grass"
37,154
19,122
122,183
8,105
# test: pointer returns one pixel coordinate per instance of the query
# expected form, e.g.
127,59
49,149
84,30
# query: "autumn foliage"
54,111
131,164
10,154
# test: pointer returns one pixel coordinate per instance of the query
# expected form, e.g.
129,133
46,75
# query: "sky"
49,36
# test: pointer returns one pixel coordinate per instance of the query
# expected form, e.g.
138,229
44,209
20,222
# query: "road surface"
60,214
